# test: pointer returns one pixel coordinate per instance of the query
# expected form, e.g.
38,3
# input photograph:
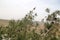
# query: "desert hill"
4,22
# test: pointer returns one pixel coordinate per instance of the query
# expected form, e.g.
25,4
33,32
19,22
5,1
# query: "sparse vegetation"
22,29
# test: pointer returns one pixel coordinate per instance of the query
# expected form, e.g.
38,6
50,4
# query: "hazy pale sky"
17,9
